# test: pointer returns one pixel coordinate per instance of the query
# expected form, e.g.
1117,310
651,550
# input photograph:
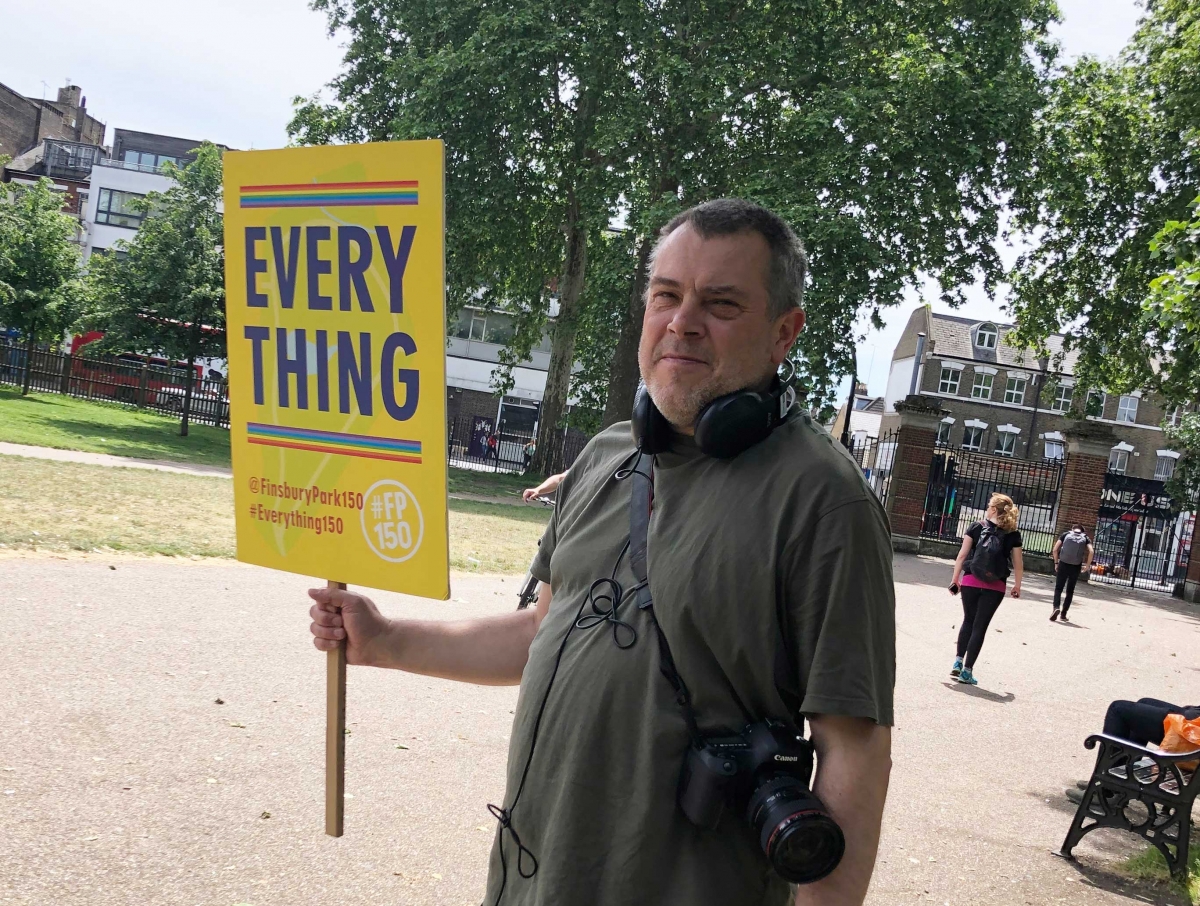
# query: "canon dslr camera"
766,770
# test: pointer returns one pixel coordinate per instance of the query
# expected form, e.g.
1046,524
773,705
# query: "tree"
166,294
1106,205
521,97
887,134
40,288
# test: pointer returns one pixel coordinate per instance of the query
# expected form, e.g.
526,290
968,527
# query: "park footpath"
164,743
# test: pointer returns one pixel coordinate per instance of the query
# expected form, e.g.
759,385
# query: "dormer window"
985,336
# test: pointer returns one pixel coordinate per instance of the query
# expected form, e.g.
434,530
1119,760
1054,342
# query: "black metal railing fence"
876,457
961,482
126,380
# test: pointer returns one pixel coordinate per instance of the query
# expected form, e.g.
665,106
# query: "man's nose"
688,319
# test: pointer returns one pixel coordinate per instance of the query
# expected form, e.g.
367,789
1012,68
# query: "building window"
148,161
943,435
116,209
1063,395
1175,416
1095,403
985,336
1118,460
1164,468
1054,449
972,438
1014,391
1127,409
982,388
483,327
949,380
1006,443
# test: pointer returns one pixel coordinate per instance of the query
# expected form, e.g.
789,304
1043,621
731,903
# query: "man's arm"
1054,552
490,651
854,761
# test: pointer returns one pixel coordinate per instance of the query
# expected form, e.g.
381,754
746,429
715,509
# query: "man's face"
706,331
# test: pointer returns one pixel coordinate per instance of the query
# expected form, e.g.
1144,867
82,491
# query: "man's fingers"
336,633
325,644
324,615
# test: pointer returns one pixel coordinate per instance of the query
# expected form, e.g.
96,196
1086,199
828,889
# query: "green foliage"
1173,304
40,289
886,133
171,282
1118,156
1184,438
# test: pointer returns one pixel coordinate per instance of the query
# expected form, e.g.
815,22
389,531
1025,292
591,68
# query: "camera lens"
799,838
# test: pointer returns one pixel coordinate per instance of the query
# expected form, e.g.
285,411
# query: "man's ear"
787,329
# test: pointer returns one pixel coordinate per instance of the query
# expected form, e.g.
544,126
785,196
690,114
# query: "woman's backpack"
989,562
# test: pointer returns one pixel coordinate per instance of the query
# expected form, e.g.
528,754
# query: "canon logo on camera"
787,758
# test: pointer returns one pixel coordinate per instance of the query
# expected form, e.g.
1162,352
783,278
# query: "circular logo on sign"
391,521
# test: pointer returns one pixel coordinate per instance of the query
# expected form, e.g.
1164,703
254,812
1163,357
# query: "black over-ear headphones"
724,428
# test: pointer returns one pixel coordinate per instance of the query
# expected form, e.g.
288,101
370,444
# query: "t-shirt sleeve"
540,568
1014,540
841,613
973,532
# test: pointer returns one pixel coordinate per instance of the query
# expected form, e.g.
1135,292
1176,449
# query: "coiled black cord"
606,597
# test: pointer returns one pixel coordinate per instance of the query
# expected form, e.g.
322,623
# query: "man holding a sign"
714,578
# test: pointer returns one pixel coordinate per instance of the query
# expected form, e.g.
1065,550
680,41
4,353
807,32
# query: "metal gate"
1142,541
961,483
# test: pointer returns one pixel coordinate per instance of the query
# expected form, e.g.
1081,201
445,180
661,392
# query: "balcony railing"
128,165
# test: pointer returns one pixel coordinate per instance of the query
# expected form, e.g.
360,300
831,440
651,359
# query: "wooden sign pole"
335,735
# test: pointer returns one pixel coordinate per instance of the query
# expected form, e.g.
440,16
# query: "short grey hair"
727,216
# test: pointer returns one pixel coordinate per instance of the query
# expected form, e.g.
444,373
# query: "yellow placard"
335,278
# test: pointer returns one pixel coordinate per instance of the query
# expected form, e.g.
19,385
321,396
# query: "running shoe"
1054,616
968,677
957,668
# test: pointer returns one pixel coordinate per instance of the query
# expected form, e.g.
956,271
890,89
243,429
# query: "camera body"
766,769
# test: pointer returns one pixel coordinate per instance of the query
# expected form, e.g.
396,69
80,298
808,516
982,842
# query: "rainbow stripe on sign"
362,445
330,194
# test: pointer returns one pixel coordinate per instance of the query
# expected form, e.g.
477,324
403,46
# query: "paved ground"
126,462
125,783
106,459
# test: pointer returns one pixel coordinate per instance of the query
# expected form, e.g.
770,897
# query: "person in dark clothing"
1072,555
1141,722
982,597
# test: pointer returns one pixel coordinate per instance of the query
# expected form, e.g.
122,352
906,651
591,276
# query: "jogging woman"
983,563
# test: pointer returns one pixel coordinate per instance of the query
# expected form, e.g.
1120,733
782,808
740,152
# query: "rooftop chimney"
70,95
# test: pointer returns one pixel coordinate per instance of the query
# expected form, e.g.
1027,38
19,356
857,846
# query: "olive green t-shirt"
786,537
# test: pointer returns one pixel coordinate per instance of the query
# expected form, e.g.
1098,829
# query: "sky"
227,70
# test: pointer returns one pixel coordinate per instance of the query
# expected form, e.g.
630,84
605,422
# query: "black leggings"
1142,721
979,606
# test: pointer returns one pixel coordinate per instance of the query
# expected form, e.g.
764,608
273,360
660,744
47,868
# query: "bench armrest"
1140,751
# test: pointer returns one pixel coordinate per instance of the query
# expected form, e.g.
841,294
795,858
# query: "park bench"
1142,791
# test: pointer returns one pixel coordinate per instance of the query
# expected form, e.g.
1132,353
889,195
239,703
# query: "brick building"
999,400
25,122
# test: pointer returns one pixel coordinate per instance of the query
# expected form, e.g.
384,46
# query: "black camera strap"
641,505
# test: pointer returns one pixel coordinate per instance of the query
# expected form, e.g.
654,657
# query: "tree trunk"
187,396
548,458
28,363
623,373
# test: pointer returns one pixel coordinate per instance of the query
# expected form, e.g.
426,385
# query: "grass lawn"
491,484
54,420
1151,866
66,423
60,506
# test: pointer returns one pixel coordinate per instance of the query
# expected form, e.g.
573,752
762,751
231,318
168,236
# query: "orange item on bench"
1181,735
